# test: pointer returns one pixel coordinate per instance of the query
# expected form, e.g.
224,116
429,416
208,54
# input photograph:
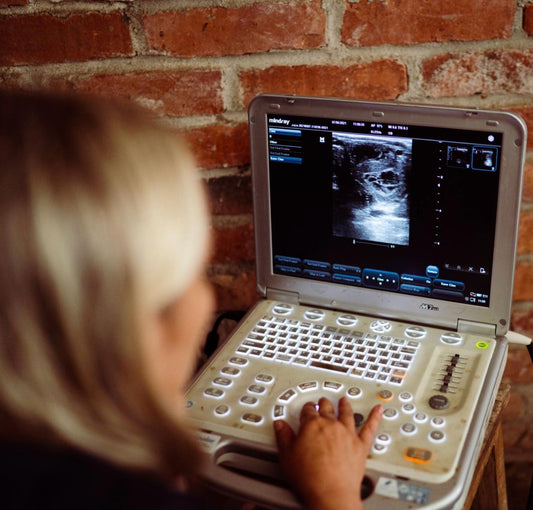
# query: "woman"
103,306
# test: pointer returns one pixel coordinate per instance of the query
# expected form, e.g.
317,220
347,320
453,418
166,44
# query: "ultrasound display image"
371,198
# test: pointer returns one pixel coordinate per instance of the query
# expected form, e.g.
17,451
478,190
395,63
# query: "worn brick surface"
525,233
527,186
528,19
218,31
523,283
234,291
383,79
230,194
370,23
220,146
41,38
177,93
492,72
233,244
518,369
7,3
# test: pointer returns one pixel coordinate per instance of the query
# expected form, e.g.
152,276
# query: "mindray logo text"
279,121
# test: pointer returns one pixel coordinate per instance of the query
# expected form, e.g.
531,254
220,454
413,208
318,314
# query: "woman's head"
103,229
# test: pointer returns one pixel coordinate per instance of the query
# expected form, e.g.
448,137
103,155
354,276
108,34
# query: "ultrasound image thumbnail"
371,198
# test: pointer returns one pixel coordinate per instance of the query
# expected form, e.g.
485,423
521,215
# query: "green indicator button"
482,345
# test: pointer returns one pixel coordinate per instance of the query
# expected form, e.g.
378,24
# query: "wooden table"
488,490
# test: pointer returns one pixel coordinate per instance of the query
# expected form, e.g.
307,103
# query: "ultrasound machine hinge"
478,328
283,295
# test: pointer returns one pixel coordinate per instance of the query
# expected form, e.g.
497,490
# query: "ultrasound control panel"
284,355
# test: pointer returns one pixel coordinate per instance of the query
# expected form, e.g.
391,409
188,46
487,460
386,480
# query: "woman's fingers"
371,426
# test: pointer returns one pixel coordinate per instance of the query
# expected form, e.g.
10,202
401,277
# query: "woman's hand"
325,461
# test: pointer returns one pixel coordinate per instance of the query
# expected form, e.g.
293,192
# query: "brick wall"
197,64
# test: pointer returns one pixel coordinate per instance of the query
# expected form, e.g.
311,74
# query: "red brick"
368,23
513,431
7,3
522,322
178,93
41,38
220,146
525,233
218,31
233,244
234,291
518,369
527,188
523,282
492,72
528,19
383,79
230,194
515,407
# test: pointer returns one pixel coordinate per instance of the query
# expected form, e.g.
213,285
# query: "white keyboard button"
264,378
279,412
238,361
308,386
222,410
248,400
408,408
231,371
287,396
214,393
254,419
332,385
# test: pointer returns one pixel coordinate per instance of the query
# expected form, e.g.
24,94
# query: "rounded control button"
282,309
385,395
438,421
346,320
383,438
390,413
451,338
415,332
405,396
379,448
314,314
409,429
252,418
437,436
439,402
380,326
248,400
354,392
408,408
264,378
420,417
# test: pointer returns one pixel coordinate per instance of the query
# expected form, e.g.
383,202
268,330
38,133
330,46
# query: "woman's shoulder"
32,477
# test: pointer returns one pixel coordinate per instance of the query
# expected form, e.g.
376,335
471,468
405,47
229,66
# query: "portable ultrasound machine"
385,243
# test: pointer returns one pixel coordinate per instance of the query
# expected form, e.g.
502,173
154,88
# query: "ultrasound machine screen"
358,192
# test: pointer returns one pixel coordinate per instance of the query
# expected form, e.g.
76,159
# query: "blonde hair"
102,223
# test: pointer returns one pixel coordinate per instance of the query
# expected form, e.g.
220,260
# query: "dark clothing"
33,479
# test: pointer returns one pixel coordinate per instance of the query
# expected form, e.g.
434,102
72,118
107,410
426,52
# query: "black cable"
213,338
